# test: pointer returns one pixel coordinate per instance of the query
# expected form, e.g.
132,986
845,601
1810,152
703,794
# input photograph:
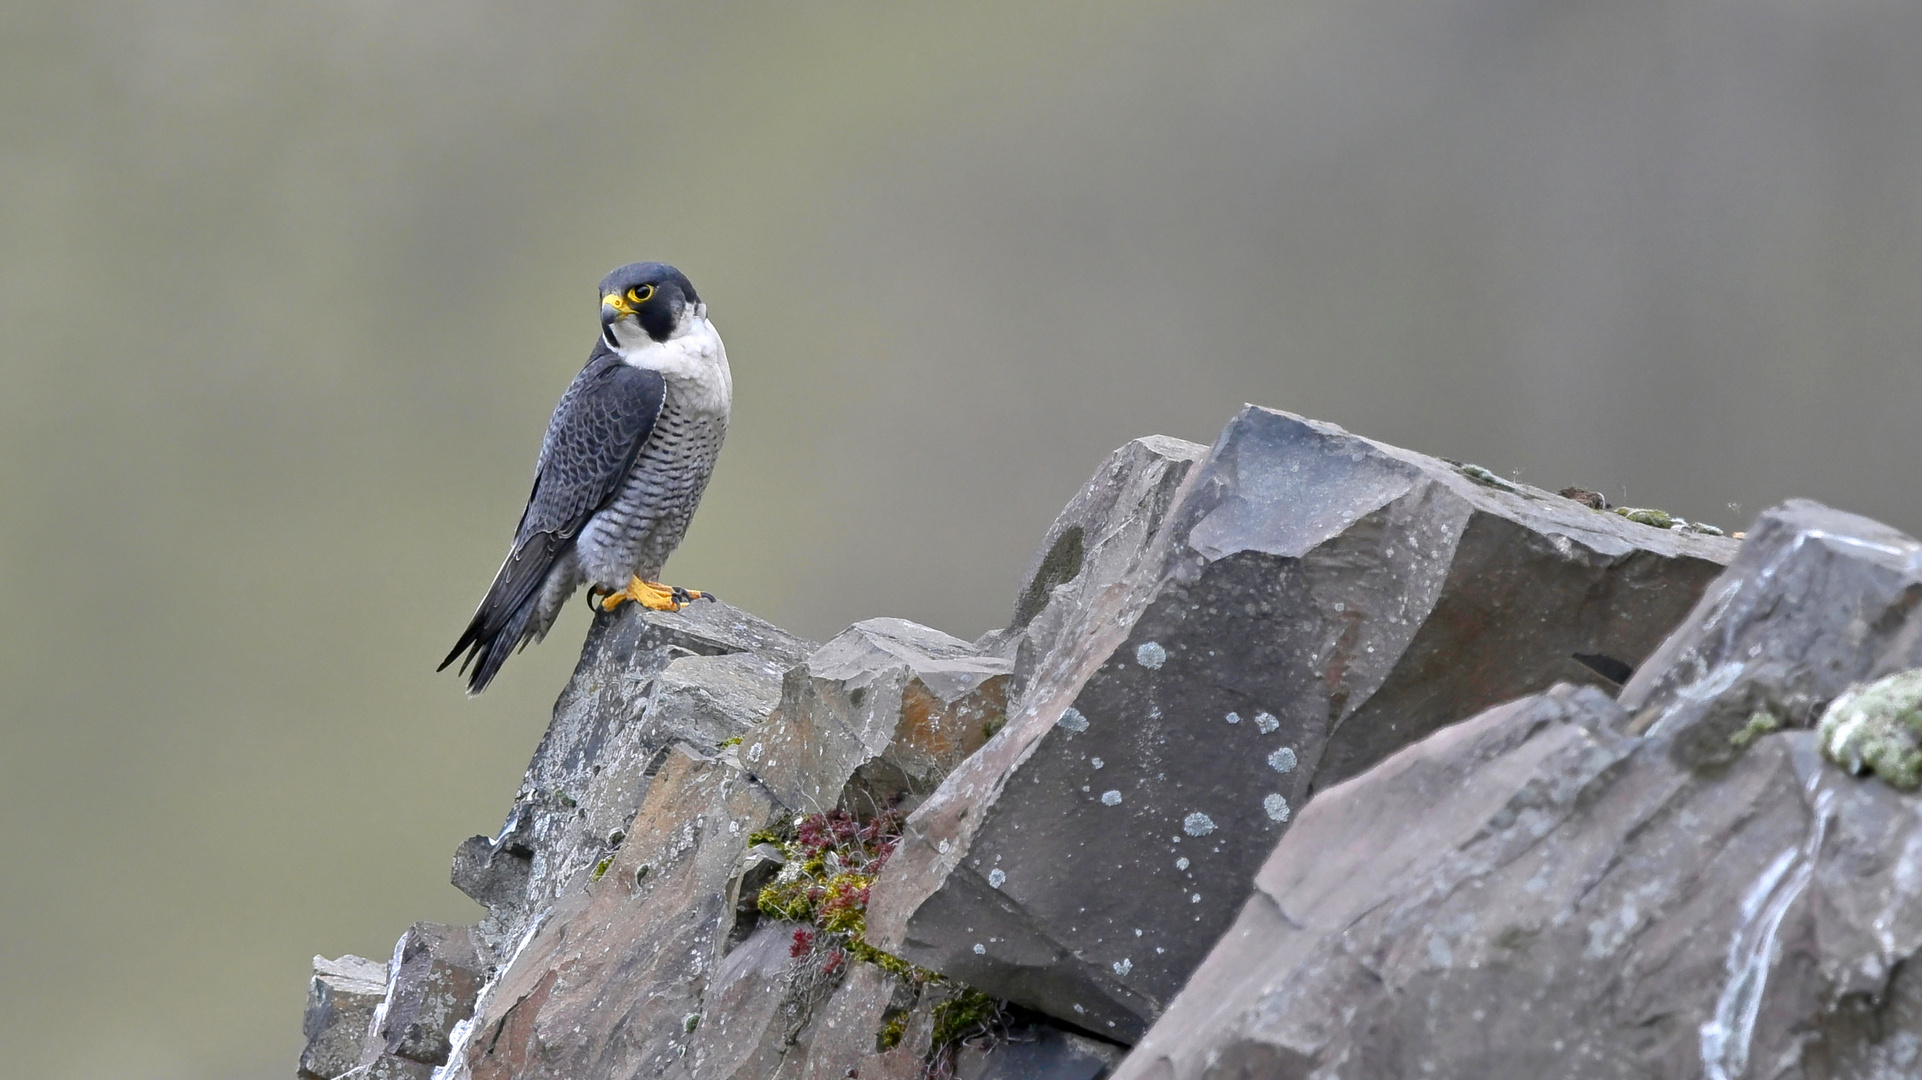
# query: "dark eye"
640,294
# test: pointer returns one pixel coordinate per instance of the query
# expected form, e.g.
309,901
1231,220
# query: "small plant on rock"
831,863
832,860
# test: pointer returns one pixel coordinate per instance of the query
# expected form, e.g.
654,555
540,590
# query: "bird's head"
645,301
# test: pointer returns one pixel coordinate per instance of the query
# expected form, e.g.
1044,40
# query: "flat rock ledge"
1301,756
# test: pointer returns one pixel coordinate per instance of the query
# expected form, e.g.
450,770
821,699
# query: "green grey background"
288,291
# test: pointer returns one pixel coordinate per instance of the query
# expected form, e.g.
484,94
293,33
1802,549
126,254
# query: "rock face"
340,1005
882,711
432,984
1574,886
645,682
1306,603
1302,756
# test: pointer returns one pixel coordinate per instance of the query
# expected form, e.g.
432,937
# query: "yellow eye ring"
640,294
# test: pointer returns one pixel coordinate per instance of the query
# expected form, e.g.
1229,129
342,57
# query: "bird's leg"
651,595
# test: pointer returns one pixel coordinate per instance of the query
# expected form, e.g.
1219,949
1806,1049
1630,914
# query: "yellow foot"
651,595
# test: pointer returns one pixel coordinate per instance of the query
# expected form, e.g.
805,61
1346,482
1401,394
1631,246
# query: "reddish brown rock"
882,711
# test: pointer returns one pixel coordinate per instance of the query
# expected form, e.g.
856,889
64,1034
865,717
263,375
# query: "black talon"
682,596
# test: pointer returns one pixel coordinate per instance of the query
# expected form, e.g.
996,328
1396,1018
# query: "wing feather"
603,420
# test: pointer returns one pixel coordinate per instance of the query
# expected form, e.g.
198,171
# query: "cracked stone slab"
610,982
1577,887
1545,895
1819,600
882,711
437,973
341,1001
646,679
1096,543
1310,602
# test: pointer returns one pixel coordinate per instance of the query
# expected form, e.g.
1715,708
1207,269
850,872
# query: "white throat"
692,360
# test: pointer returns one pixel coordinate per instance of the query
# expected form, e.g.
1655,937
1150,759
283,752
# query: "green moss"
1484,477
989,728
601,868
964,1015
891,1033
1878,728
1760,723
735,741
1659,519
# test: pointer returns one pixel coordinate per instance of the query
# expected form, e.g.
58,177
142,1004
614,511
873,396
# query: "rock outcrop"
1310,602
1673,884
1302,755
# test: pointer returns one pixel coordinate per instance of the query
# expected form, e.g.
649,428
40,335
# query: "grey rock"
840,1038
879,713
390,1067
1579,887
1095,545
341,1001
749,1015
1548,896
1818,600
1039,1052
1311,602
437,974
645,681
610,980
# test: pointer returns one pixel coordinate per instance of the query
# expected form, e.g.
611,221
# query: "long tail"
505,619
490,645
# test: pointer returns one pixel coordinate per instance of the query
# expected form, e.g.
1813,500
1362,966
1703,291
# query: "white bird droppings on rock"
1111,798
1181,863
1195,824
1151,655
1098,763
980,949
1276,806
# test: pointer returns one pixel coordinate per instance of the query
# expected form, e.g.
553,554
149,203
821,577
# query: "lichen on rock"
1878,728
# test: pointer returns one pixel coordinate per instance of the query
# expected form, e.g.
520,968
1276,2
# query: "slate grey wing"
597,431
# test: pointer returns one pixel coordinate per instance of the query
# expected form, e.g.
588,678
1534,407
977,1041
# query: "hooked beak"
615,306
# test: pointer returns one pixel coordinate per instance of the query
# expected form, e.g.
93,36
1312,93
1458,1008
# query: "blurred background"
287,292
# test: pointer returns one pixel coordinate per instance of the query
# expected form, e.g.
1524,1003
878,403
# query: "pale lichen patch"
1878,728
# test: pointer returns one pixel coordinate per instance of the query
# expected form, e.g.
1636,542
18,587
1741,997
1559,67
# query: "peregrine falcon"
626,457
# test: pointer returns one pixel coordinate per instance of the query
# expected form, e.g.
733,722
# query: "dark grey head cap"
654,293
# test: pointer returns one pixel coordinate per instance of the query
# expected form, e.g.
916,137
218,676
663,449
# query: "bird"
626,457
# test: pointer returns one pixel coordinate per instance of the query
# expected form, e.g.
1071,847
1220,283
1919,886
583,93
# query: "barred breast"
649,517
